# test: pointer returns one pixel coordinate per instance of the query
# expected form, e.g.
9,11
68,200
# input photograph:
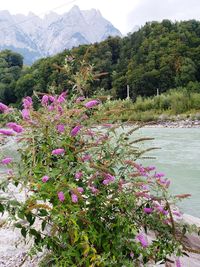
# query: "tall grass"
175,101
172,103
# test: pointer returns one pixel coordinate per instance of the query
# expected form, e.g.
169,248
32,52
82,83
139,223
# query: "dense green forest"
159,56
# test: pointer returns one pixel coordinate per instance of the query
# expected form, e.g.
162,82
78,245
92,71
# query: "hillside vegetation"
158,57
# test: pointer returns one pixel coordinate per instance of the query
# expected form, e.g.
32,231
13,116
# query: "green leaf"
42,213
24,232
1,208
33,232
21,215
30,218
18,225
43,225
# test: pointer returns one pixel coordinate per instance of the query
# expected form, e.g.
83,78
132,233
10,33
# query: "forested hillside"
159,56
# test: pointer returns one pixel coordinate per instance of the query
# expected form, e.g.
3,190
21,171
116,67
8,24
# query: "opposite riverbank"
187,123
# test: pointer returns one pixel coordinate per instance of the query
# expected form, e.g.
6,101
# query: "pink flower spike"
167,184
110,177
50,108
3,107
159,175
60,128
178,262
61,196
78,175
60,110
106,181
79,99
80,190
15,127
6,132
177,213
52,98
92,103
61,97
162,210
6,161
44,100
27,102
94,190
142,239
74,198
86,157
45,178
150,168
26,114
58,151
75,130
148,210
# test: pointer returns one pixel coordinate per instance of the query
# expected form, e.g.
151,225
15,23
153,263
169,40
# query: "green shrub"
87,200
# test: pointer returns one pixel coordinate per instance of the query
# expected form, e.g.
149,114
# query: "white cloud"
124,14
149,10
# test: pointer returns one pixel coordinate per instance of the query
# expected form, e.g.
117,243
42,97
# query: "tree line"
158,57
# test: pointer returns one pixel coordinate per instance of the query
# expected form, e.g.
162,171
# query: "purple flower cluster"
7,132
45,178
161,209
92,103
78,175
61,196
3,108
159,174
79,99
164,182
178,262
74,198
80,190
61,97
108,179
94,190
25,114
27,102
86,157
60,128
148,210
143,240
45,100
15,127
58,151
75,130
6,161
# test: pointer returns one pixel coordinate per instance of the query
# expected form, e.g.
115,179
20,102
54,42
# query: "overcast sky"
124,14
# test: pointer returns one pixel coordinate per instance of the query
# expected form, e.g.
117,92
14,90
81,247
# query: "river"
179,159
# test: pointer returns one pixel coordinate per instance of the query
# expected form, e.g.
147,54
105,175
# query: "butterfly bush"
88,200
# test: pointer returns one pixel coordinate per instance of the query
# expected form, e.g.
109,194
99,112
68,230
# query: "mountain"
36,37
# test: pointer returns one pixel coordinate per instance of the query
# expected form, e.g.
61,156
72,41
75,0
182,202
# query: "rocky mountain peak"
36,37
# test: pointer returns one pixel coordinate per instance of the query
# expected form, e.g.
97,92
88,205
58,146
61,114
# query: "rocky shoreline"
187,123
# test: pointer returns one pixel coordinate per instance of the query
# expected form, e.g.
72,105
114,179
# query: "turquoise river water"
179,159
